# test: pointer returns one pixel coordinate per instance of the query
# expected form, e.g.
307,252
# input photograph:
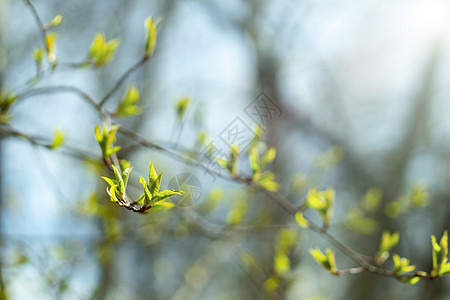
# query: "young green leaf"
152,175
272,284
238,212
372,199
232,165
127,107
411,280
56,21
181,107
282,264
109,181
112,193
327,260
105,139
268,157
322,202
150,199
388,241
58,139
6,100
160,206
168,193
257,137
50,47
401,265
123,164
267,181
101,51
301,219
254,160
152,35
156,184
440,256
419,195
37,56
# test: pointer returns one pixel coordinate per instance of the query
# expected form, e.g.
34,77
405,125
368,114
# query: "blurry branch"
74,151
41,74
64,89
214,231
42,29
122,79
279,198
364,263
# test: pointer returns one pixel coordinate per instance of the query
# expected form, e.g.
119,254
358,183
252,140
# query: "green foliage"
372,199
213,199
236,215
6,100
395,208
272,284
411,280
50,46
105,139
257,163
110,223
181,106
238,211
298,182
286,240
416,197
401,265
440,256
231,164
265,179
152,35
326,260
388,241
357,221
153,199
152,196
119,185
322,202
37,56
282,264
330,158
58,139
56,21
419,196
101,51
127,107
301,219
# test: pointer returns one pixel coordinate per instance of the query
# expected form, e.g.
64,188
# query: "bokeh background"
363,91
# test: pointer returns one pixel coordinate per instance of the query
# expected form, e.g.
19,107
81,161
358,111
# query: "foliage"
250,168
152,198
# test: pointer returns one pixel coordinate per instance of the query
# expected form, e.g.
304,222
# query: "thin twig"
64,89
42,28
122,80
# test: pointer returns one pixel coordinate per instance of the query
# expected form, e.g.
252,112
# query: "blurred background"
359,97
